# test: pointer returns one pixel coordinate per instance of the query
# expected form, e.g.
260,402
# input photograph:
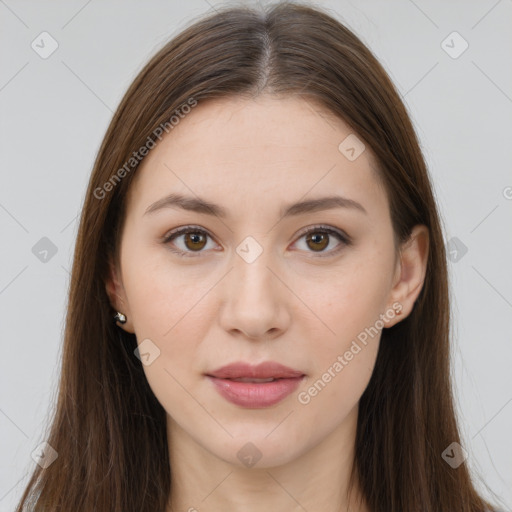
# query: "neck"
317,480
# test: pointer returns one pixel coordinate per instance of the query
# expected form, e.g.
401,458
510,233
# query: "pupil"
195,238
323,238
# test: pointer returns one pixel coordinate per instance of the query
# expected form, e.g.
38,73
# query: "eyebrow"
199,205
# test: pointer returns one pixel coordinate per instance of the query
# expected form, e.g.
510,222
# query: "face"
245,280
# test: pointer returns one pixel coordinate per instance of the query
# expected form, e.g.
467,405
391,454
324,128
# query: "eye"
319,237
194,240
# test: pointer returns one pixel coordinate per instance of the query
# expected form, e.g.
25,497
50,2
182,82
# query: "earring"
120,317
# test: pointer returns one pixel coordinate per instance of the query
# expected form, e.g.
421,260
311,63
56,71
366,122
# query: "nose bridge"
251,273
253,304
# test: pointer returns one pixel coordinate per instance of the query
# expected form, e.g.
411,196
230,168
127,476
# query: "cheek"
342,364
336,390
170,307
351,305
163,298
354,298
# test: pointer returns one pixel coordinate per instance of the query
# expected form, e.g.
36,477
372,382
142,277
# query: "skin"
299,303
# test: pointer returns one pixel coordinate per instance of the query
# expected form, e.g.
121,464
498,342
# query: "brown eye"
187,241
319,241
194,241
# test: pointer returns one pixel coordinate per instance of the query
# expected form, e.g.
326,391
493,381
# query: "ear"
409,273
117,296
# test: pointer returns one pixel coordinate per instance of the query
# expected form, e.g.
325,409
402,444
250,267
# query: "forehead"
257,152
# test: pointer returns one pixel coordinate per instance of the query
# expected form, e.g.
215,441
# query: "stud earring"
120,317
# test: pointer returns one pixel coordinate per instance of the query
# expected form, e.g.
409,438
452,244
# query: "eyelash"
343,238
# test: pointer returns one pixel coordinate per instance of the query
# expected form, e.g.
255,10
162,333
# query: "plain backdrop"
54,113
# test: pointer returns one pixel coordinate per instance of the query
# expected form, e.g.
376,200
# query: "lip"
261,371
251,394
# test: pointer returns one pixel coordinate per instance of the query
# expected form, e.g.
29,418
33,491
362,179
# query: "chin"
255,450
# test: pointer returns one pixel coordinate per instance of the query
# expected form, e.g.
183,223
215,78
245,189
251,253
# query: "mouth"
252,393
263,372
255,387
248,379
253,380
255,395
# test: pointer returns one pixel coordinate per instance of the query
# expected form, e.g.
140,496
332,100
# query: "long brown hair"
108,429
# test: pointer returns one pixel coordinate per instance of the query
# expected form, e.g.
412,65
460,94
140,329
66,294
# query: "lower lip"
255,395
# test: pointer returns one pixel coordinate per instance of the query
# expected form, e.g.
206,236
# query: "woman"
258,313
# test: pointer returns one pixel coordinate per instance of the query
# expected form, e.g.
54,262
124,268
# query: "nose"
255,302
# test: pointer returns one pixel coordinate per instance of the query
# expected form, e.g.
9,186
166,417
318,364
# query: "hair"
108,428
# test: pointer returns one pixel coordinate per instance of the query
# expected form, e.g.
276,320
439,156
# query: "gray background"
54,113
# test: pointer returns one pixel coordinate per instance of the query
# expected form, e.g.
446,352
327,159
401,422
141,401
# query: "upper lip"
264,370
